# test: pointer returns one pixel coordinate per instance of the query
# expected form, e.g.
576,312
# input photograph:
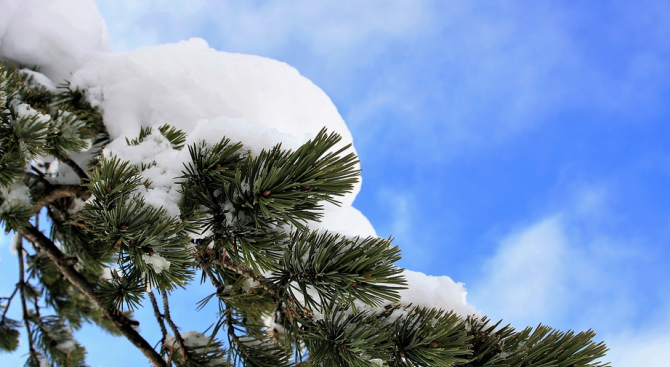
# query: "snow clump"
206,93
157,262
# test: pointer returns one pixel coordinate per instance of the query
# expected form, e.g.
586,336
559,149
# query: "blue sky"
518,147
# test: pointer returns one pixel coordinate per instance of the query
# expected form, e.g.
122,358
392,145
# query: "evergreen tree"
331,300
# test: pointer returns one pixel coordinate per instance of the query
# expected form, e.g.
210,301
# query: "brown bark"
122,323
59,192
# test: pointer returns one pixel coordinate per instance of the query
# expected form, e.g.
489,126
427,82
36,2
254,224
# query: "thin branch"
168,318
22,286
9,302
207,270
159,317
227,263
75,167
231,327
66,267
232,337
39,175
59,192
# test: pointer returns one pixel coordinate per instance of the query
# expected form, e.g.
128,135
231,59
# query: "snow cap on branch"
206,93
55,35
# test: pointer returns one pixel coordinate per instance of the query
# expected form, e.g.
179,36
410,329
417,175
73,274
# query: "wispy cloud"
526,279
573,270
330,28
648,347
453,77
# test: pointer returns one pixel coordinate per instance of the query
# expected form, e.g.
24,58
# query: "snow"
67,346
249,284
107,273
346,220
78,204
14,244
157,262
17,195
186,82
273,327
55,35
207,93
436,291
24,110
39,79
194,339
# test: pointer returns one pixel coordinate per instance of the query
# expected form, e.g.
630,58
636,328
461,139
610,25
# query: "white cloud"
649,347
326,27
453,76
573,270
525,279
398,220
399,206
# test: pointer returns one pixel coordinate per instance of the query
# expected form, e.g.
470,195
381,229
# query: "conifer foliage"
286,295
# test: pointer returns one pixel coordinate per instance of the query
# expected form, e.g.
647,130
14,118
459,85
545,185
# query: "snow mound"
55,35
207,93
195,88
436,292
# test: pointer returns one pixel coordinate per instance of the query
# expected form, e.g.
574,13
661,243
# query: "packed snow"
436,291
67,346
207,93
56,35
17,195
195,340
157,262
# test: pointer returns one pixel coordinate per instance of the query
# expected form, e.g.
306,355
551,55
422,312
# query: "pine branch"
228,264
78,280
252,211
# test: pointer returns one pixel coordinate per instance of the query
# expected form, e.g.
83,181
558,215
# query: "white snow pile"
195,340
207,93
17,195
157,262
57,35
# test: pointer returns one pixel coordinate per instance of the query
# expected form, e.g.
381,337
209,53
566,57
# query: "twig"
75,167
9,302
159,317
168,318
39,175
59,192
228,265
65,266
232,337
26,317
207,270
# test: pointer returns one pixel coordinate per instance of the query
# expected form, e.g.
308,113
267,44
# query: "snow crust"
14,244
191,86
67,346
55,35
157,262
436,291
17,195
193,339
